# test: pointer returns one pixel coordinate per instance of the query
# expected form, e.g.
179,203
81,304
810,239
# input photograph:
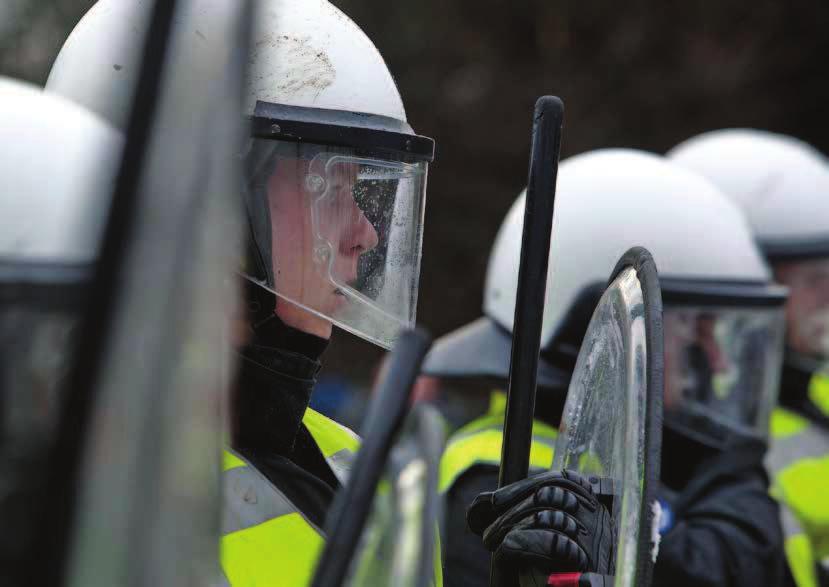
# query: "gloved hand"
551,523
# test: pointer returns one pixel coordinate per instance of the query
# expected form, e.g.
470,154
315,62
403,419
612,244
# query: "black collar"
277,374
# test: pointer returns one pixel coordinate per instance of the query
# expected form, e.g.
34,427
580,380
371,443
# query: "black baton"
548,119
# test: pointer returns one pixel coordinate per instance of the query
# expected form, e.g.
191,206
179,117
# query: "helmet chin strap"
260,162
260,304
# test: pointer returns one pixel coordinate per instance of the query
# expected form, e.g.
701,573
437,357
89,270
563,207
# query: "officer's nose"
368,237
362,234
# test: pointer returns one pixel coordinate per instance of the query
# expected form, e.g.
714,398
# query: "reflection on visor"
354,215
34,361
345,233
724,362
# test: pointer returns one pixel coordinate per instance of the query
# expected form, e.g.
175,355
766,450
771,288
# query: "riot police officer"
334,195
723,328
781,184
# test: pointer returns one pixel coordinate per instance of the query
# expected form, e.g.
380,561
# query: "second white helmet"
780,183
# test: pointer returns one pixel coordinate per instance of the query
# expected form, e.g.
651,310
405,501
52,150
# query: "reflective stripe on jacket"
266,540
479,442
798,463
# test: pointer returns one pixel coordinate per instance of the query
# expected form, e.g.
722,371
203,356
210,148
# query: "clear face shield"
36,345
38,327
338,232
807,311
722,366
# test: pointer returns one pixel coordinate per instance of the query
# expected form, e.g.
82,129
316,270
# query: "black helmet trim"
678,291
370,133
43,284
564,347
43,272
790,250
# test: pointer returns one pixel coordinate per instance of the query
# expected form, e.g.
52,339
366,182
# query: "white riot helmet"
336,177
723,318
782,185
55,194
56,179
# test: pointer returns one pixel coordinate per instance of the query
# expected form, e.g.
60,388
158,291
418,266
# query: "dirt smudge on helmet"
305,70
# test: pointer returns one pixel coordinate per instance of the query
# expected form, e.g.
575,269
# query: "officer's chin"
303,320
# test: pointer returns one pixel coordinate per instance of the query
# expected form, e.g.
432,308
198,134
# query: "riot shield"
135,492
611,427
399,545
402,507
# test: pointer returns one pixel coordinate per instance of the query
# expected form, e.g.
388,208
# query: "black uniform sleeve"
727,529
466,560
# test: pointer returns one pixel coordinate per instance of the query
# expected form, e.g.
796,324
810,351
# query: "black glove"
552,523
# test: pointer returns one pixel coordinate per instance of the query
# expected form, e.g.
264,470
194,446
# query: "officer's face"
302,270
807,309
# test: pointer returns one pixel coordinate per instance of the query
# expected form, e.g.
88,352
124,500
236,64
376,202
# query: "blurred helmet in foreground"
56,179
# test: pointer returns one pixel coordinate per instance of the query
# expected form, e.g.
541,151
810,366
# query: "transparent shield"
603,425
341,238
399,545
149,502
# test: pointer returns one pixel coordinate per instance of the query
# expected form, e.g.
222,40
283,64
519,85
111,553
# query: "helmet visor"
807,311
36,347
343,234
39,317
722,364
36,344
